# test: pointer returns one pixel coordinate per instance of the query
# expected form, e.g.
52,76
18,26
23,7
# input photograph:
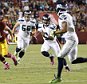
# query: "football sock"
60,66
17,49
2,59
79,60
19,59
65,63
45,53
21,54
5,62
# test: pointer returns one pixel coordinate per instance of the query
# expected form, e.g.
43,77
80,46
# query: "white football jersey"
46,29
70,34
33,21
21,19
25,28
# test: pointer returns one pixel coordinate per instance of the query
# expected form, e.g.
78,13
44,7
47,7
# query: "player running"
4,46
24,34
50,41
70,47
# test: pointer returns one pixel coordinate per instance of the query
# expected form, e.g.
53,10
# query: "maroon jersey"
2,36
2,32
2,26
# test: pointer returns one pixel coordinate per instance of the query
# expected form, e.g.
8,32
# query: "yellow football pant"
3,48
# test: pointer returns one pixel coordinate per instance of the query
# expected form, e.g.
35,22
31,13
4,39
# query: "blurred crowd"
78,9
12,8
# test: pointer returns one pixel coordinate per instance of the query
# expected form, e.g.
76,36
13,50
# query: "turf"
36,69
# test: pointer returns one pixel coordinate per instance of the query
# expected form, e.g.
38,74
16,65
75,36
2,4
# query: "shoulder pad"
40,25
52,26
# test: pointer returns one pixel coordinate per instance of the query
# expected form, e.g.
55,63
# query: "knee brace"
45,53
21,54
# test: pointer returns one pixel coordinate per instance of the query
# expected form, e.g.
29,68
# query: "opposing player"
4,47
24,35
70,47
50,42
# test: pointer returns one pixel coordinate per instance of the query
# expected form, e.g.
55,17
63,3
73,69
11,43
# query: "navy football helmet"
61,8
46,19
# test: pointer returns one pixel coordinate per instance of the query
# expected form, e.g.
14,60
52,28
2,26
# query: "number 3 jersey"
25,28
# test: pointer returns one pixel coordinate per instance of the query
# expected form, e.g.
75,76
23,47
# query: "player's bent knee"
2,58
21,54
45,53
18,49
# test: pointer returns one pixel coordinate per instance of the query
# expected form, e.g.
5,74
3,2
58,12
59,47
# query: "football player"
47,28
4,47
24,34
70,47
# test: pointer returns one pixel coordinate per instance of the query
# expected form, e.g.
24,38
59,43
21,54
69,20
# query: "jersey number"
25,29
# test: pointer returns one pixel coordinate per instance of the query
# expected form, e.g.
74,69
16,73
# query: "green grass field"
36,69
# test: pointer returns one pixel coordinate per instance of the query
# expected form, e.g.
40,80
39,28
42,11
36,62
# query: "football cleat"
55,80
52,60
6,66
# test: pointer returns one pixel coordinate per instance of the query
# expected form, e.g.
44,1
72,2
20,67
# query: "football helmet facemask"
27,15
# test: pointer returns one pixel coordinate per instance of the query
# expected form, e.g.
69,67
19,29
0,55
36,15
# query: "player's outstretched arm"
15,26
